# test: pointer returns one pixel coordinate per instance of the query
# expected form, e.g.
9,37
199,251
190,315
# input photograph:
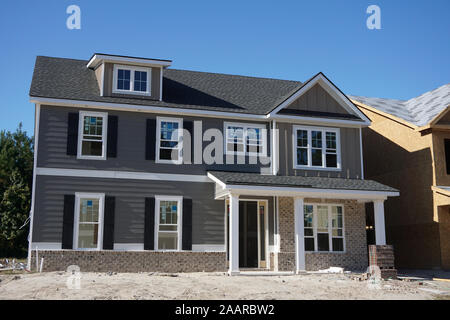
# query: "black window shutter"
188,155
187,224
108,225
72,133
111,150
150,139
149,224
68,217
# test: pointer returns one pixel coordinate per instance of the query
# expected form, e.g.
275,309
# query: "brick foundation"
355,256
131,261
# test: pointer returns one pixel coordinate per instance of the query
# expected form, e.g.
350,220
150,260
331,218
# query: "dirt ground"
106,286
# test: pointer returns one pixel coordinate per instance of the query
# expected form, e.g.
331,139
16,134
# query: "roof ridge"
234,75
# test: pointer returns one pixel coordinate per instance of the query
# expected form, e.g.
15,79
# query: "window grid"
130,79
168,223
328,228
92,135
316,148
245,139
169,140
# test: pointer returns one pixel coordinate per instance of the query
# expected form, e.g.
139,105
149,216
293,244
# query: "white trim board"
128,247
46,246
121,175
193,112
208,248
101,58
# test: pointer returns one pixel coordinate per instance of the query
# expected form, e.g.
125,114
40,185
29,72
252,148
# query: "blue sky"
277,39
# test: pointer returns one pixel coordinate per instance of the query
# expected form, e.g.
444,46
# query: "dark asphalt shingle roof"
62,78
241,178
419,111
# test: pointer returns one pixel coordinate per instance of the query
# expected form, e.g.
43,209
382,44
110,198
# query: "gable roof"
331,88
61,78
70,79
419,111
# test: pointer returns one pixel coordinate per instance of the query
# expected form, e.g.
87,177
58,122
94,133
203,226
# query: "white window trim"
330,228
101,205
132,69
81,116
179,200
180,139
309,147
246,126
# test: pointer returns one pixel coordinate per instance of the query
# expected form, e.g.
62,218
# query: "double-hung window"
169,140
92,129
88,226
130,79
245,139
323,228
316,148
168,222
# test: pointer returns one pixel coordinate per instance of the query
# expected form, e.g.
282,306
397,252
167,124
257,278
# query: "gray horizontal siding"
207,215
130,145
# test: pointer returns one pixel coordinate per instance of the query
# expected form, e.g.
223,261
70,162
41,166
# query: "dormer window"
131,80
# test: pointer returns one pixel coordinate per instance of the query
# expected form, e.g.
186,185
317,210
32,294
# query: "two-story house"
140,167
414,135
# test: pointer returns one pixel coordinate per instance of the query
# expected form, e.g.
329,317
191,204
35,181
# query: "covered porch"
317,222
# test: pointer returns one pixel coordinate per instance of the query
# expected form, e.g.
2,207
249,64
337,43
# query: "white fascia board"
310,192
148,109
216,180
121,175
331,89
320,121
99,58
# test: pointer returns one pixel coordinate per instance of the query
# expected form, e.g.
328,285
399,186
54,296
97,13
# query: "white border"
128,247
245,127
98,58
101,206
179,200
81,116
323,130
121,175
37,117
208,248
192,112
180,139
46,246
132,69
330,228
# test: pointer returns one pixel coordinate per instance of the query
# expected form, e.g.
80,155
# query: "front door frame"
265,202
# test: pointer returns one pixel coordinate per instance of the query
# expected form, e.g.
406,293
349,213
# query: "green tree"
16,176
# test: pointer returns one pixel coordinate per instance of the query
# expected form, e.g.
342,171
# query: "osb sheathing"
401,157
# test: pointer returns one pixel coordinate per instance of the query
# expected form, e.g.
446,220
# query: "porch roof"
256,183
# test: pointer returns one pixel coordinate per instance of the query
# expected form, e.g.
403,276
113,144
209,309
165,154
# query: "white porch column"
234,235
380,232
299,235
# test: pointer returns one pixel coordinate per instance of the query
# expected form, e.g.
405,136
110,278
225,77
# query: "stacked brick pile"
383,257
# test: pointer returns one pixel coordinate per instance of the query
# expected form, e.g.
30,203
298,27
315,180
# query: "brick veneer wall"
355,256
131,261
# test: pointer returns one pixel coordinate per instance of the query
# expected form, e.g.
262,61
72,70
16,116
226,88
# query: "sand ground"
106,286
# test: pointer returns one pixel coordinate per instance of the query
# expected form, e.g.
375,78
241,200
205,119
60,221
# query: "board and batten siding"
131,146
208,221
350,154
